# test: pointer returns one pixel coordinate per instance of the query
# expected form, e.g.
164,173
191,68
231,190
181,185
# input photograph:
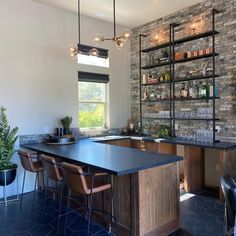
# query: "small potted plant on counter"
66,123
8,139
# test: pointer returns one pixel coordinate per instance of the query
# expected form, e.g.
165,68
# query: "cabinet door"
123,142
149,146
167,148
137,144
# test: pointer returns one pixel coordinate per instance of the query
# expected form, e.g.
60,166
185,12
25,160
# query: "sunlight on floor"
186,196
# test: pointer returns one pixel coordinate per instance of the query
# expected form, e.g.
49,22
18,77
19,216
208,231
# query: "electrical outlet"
217,167
218,128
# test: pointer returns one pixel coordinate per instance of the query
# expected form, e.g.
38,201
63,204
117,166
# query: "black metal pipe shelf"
172,63
195,58
157,118
155,65
200,119
193,99
158,100
196,36
179,61
157,83
183,40
196,78
160,46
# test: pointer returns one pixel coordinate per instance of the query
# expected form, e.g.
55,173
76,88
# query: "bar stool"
28,164
53,172
83,183
228,186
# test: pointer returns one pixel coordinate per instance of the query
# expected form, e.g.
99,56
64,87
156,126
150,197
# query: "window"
93,61
92,104
84,57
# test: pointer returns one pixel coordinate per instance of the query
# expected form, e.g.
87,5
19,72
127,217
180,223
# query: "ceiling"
130,13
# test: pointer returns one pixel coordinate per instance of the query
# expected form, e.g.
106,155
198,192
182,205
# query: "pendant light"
80,49
118,40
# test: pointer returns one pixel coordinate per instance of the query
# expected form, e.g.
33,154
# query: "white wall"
38,80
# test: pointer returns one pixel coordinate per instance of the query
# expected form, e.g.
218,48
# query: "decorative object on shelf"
118,40
66,123
164,131
8,139
80,49
165,76
193,28
180,55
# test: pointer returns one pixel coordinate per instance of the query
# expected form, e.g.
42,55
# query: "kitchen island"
193,168
146,184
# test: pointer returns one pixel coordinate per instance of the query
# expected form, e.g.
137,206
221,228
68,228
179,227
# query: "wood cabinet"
119,142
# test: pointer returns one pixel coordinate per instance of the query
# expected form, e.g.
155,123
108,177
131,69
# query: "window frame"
105,102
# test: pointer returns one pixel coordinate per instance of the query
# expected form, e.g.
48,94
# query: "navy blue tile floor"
34,223
200,216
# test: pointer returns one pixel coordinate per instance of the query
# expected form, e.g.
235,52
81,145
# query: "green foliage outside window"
91,115
91,105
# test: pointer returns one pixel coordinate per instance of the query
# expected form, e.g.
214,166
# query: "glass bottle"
145,95
182,91
204,90
152,95
211,89
195,90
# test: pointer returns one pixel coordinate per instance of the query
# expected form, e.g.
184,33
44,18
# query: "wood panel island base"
158,201
145,184
147,202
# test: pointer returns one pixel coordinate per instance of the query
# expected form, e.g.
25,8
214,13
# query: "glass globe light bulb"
119,43
73,52
94,52
126,35
98,39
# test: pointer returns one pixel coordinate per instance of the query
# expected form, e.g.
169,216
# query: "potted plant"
8,139
66,123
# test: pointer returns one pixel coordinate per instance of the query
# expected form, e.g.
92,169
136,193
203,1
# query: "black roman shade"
85,49
92,77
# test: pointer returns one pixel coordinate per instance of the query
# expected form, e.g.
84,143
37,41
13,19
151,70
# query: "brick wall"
225,63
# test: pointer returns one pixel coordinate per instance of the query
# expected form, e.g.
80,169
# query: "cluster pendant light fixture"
82,49
118,40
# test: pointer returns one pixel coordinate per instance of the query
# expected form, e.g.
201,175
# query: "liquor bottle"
152,96
145,95
211,89
204,90
200,89
190,90
183,93
194,90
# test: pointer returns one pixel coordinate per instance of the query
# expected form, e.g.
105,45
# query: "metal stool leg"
90,204
35,187
67,207
22,192
42,173
45,196
60,205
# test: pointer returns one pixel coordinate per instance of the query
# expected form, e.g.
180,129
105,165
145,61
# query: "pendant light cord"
78,21
114,17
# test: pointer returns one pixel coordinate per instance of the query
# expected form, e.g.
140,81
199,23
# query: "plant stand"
5,198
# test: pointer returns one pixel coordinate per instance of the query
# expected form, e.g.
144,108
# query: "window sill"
93,131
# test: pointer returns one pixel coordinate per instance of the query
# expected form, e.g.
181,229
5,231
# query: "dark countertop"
217,145
112,159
